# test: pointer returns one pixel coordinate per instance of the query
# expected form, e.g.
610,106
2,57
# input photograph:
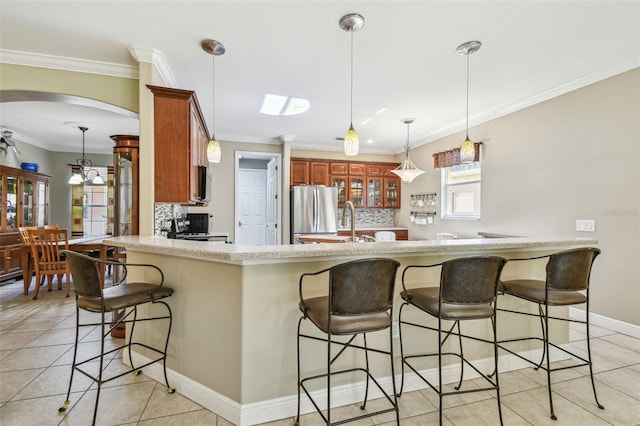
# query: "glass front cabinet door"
356,191
374,192
340,182
392,193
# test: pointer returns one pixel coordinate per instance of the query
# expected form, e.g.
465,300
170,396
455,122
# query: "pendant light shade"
468,150
214,153
351,23
214,48
407,171
351,142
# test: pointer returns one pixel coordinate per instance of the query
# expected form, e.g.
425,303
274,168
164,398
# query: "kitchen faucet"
349,204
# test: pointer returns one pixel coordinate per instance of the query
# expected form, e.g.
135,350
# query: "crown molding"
158,60
603,73
30,59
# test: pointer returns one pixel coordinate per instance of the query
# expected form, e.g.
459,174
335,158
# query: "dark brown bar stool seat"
359,301
91,297
467,291
567,283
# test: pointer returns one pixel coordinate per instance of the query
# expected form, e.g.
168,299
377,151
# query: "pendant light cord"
213,96
351,114
467,135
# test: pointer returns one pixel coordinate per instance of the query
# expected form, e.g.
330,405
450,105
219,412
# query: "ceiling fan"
6,141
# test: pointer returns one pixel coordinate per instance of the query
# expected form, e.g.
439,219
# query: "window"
94,214
461,191
92,206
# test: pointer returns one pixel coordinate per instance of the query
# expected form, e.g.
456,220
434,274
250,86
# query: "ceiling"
405,63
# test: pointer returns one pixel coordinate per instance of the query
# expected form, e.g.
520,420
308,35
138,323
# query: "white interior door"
252,207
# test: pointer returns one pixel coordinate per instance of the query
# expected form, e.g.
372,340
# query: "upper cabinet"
181,139
306,172
370,185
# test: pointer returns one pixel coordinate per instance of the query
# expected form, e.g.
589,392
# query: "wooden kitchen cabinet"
319,173
25,202
359,169
339,169
304,172
299,172
391,193
340,182
357,191
181,139
370,185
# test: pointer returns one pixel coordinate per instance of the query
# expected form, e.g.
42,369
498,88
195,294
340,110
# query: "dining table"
87,243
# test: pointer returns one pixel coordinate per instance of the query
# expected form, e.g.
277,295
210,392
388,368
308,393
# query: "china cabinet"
25,202
126,178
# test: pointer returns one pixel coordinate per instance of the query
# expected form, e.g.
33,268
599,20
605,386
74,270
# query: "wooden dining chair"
46,245
54,226
24,237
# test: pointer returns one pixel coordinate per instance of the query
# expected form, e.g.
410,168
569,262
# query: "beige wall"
576,156
122,92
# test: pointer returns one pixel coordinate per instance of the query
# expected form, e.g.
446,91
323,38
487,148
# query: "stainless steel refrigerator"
314,210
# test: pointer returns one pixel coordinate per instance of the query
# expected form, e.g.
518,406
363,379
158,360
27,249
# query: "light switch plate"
585,225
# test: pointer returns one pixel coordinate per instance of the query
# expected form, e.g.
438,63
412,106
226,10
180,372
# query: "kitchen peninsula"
233,345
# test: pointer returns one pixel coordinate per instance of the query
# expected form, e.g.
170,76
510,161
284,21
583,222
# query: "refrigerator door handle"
316,211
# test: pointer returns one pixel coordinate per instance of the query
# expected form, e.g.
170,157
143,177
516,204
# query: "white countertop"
245,254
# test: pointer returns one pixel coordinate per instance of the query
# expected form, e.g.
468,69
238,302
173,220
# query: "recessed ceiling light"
369,141
283,105
380,111
366,121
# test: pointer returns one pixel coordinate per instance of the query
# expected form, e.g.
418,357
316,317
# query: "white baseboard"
280,408
605,322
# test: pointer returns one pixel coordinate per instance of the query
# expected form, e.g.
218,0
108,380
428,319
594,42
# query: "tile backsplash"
163,213
372,216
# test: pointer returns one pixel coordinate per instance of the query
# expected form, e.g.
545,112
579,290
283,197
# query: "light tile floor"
36,339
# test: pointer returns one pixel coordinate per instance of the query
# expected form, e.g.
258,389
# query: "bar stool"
567,283
467,291
359,301
91,297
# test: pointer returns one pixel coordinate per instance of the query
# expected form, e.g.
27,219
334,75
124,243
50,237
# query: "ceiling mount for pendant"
468,48
352,22
213,47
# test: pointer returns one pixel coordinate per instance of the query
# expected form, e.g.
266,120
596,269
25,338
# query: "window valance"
452,157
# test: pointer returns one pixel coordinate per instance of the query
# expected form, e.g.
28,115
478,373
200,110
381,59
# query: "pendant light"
351,23
407,170
85,167
468,149
214,48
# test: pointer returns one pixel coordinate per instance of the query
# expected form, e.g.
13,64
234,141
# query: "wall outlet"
586,225
395,329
